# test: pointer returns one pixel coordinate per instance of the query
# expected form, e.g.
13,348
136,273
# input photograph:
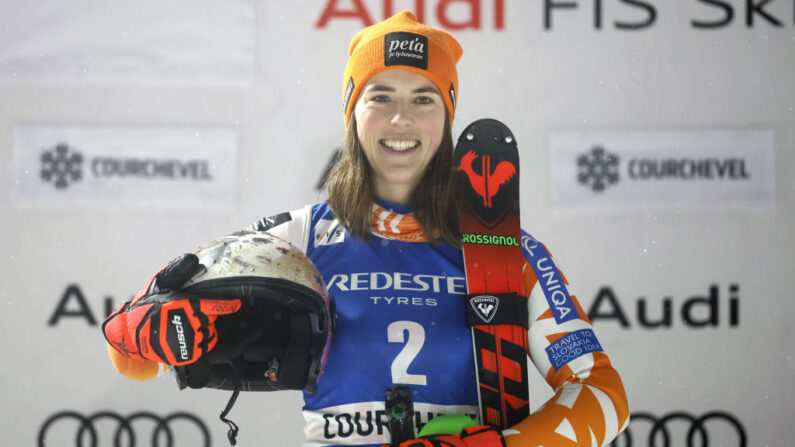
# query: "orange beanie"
402,42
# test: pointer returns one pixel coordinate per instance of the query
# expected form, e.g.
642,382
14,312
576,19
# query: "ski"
487,190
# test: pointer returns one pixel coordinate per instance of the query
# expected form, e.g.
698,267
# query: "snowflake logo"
61,166
597,169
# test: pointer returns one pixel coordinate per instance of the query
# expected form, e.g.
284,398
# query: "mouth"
402,145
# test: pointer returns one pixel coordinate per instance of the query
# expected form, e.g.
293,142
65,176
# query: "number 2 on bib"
396,332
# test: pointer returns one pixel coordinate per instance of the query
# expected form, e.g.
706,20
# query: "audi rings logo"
683,429
148,428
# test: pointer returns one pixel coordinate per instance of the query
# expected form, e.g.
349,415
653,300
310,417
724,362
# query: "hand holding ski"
480,436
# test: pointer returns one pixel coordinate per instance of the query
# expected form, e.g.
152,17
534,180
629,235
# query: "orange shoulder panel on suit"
589,407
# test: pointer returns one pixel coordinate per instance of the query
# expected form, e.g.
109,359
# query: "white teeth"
400,145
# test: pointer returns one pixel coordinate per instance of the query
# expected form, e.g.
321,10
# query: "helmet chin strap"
233,428
294,366
300,338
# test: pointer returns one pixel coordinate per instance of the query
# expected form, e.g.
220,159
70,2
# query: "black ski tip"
486,159
489,129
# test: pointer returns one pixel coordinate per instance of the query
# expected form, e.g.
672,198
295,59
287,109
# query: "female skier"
387,244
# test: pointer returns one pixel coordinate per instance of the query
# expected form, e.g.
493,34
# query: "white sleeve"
292,226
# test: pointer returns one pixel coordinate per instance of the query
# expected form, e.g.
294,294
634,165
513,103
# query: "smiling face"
400,118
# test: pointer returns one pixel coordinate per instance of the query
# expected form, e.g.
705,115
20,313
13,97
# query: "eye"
379,98
423,100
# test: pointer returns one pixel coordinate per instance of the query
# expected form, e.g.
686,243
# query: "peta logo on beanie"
401,48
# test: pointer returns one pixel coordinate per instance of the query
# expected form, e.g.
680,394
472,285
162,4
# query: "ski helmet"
280,337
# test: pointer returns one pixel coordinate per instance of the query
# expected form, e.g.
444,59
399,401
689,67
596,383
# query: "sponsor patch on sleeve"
550,280
328,232
267,223
572,346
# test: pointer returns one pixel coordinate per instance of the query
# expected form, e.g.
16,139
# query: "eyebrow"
384,88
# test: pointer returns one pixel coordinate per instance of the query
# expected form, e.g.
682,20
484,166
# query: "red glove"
164,325
481,436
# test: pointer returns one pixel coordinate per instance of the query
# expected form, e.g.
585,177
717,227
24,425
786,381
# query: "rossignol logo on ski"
489,239
488,182
409,49
485,306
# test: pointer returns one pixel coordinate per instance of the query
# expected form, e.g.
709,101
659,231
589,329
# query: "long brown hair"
351,191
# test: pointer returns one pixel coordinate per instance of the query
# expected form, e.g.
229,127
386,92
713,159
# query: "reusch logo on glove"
402,48
178,337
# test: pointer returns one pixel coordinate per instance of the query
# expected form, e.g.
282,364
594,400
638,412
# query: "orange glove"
166,325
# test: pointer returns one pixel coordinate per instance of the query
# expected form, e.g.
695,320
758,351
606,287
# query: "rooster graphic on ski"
490,161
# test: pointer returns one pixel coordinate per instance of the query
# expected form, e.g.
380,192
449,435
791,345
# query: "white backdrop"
266,76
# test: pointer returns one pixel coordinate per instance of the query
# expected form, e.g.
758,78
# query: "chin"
403,180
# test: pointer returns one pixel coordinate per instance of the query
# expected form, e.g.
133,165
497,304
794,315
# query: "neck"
399,194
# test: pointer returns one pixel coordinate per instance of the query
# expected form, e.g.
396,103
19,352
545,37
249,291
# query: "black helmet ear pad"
275,342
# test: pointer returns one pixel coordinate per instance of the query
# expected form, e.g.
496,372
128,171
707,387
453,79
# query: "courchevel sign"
125,166
625,169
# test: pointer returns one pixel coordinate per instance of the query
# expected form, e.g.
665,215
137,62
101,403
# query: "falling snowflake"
597,169
60,165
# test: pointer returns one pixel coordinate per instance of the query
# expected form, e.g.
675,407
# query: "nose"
401,115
